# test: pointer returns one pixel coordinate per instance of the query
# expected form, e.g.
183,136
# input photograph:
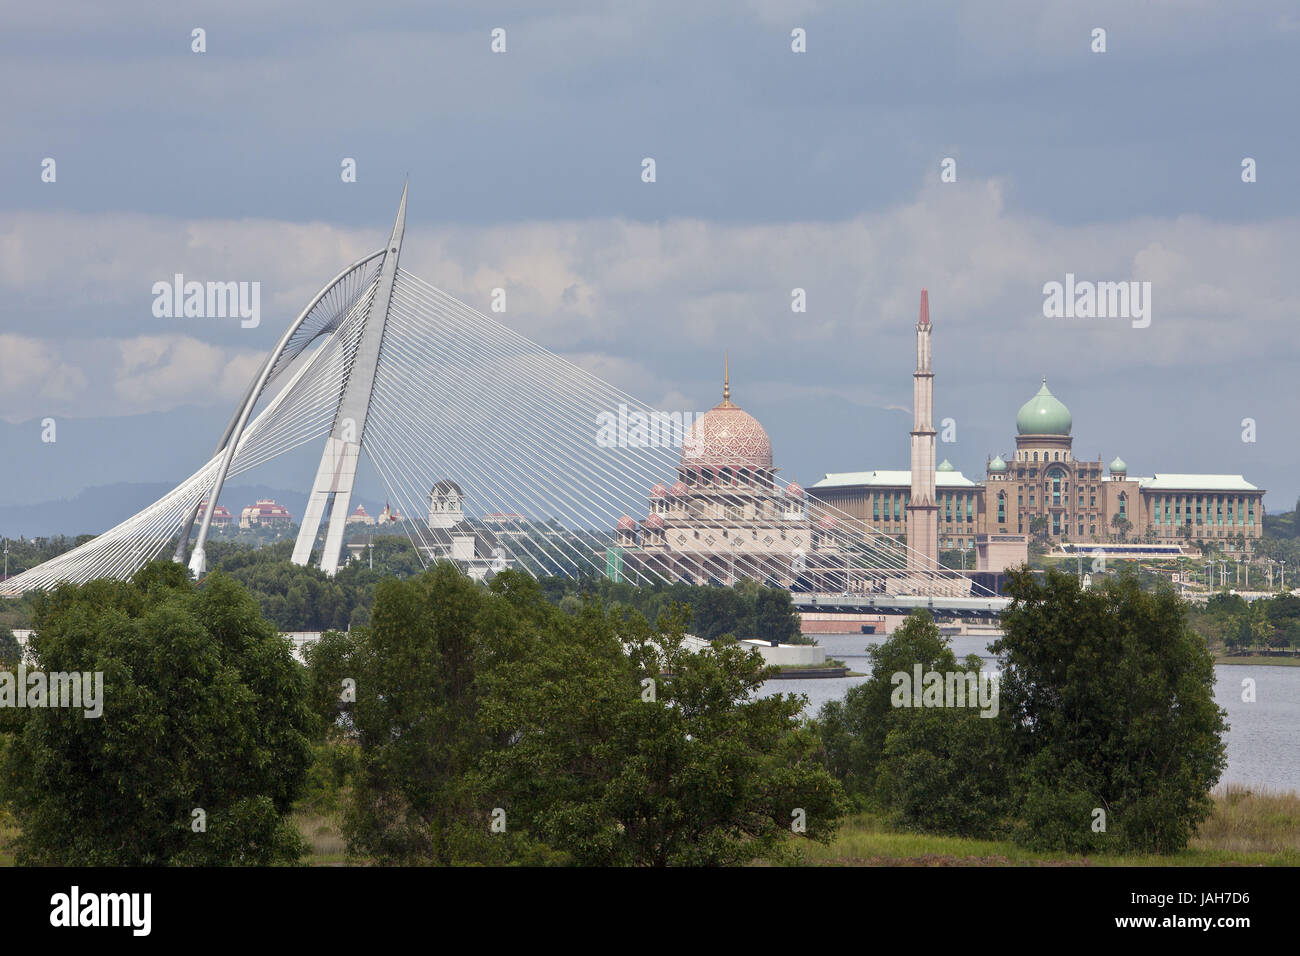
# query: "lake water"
1262,736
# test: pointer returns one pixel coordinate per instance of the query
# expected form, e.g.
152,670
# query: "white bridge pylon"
434,395
338,464
337,473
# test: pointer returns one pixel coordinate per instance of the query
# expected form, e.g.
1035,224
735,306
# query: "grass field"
323,836
1247,828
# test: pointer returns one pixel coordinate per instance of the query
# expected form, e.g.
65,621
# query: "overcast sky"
775,170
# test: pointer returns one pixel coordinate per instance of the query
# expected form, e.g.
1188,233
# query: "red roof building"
221,518
360,516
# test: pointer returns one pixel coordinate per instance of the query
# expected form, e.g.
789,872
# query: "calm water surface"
1263,737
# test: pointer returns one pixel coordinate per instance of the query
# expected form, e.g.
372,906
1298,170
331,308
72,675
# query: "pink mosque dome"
626,523
826,522
678,489
654,522
727,436
794,490
659,491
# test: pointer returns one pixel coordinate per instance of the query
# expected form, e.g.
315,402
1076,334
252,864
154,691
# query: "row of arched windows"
1026,456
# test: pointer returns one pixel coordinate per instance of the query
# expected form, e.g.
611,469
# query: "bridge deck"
901,603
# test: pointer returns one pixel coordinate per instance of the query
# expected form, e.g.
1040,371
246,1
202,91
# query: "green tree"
483,703
11,651
203,709
774,616
627,748
945,770
418,670
941,769
1110,695
1245,635
1038,530
1261,629
1282,610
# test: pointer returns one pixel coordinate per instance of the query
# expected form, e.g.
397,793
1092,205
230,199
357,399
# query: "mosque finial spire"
726,379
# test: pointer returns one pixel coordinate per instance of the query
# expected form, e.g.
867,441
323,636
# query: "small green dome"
1043,415
1117,467
997,466
946,466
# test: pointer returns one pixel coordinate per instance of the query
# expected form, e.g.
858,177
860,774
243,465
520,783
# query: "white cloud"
652,305
163,371
35,379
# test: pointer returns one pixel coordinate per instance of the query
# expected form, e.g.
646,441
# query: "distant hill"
105,451
1283,524
97,509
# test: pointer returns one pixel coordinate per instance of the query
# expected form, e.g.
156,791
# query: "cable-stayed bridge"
500,454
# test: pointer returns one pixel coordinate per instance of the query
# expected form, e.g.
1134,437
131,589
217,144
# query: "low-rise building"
264,513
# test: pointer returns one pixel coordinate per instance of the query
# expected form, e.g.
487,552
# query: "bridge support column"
338,464
333,487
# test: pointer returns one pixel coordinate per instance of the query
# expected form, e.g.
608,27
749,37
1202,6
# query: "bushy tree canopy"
941,769
587,735
1107,736
1111,699
203,709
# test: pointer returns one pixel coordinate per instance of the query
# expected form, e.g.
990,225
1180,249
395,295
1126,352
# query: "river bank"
1257,660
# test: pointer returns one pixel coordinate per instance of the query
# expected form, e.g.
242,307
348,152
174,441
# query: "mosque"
727,516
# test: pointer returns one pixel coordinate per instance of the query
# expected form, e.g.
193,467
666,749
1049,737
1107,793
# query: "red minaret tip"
925,308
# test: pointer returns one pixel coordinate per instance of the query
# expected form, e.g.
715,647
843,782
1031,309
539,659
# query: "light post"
6,559
1283,563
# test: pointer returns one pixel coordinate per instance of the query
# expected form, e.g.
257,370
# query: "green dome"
946,466
1117,467
997,466
1043,415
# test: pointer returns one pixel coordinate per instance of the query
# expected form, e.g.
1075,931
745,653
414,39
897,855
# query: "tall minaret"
923,508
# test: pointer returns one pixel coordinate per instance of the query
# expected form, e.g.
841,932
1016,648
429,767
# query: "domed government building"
1080,502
